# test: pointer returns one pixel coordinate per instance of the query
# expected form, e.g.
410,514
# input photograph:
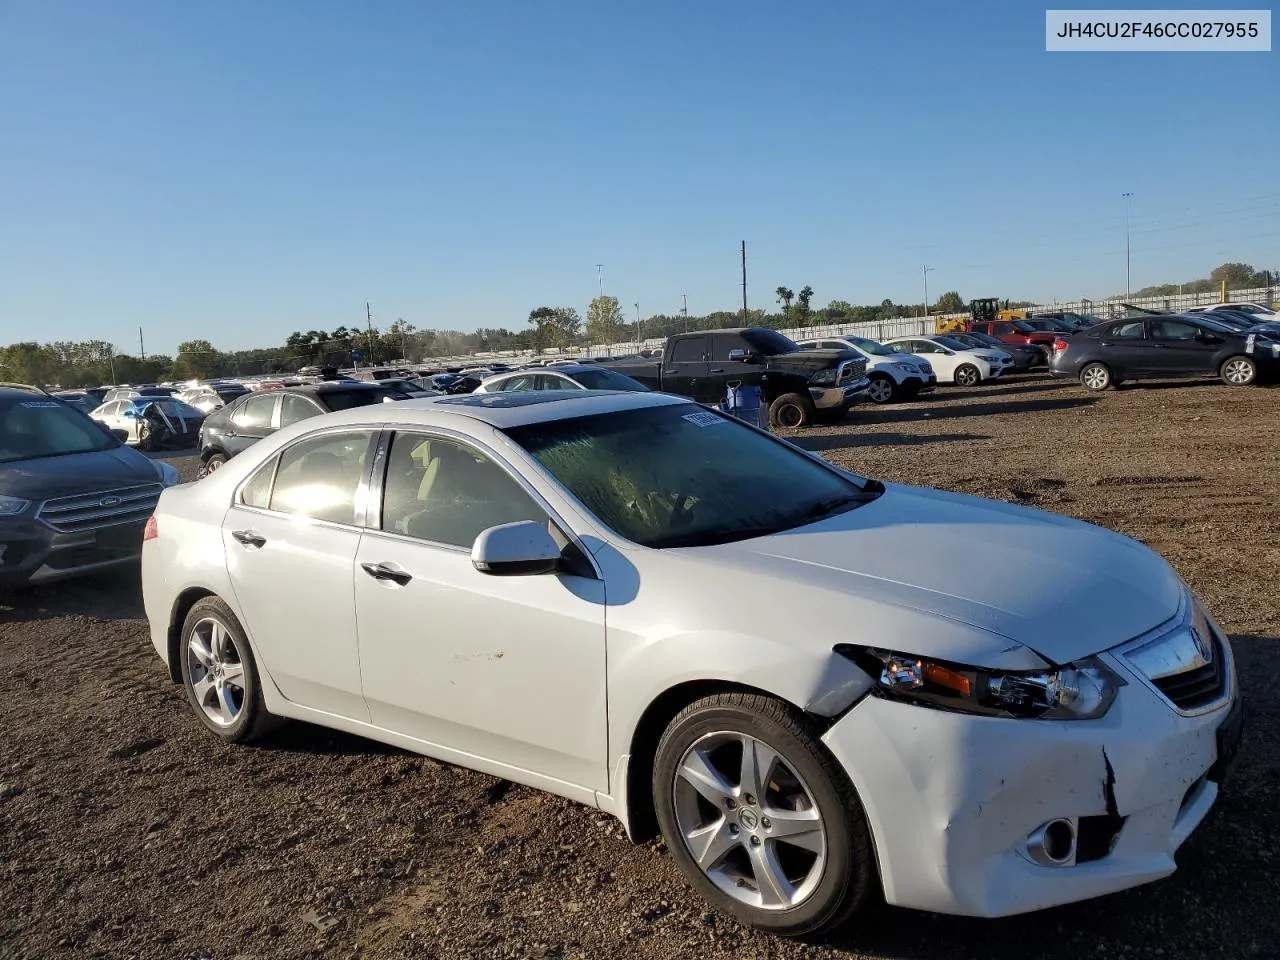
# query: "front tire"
1095,377
211,465
791,410
1238,371
882,390
220,675
761,819
967,375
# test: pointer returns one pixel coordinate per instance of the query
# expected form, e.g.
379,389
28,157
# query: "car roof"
505,410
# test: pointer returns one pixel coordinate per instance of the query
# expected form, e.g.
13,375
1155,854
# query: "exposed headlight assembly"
823,377
1081,691
168,473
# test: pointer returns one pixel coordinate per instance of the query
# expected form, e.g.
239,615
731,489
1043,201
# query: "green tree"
1238,276
29,363
803,312
949,302
604,320
785,297
543,319
197,359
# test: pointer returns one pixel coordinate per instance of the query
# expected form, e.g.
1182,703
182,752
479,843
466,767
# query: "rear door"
1125,349
250,422
290,540
687,366
1176,349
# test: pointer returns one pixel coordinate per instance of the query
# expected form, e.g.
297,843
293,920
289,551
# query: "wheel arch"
182,605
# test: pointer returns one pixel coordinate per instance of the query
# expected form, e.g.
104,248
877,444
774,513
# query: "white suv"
893,376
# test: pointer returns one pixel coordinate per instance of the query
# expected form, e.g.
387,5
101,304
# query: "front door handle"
383,571
717,370
249,538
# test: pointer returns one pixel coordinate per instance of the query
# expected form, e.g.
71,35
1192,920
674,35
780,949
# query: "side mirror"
520,549
120,435
131,415
738,355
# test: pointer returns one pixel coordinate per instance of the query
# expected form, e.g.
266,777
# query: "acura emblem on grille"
1203,645
109,502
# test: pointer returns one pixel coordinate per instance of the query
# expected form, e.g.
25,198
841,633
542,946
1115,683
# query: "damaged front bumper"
955,801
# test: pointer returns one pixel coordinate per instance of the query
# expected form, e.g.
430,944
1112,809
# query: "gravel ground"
127,831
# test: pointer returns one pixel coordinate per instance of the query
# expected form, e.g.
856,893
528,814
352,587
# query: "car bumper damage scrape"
958,804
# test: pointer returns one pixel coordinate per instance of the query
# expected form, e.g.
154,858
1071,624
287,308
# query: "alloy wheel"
967,376
1238,372
880,391
749,821
1096,377
216,668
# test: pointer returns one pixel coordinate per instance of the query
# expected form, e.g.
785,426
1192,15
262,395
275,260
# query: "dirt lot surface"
127,831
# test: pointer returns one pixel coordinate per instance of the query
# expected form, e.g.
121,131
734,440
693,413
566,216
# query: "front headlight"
823,376
12,506
168,473
1081,691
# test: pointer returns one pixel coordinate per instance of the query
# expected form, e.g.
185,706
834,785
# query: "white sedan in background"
905,721
954,361
574,376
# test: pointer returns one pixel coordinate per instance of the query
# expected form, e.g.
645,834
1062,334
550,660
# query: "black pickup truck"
798,386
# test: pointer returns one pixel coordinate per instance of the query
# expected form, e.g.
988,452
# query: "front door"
500,673
291,550
1177,350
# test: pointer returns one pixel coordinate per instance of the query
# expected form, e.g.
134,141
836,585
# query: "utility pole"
141,349
600,277
926,290
744,283
111,358
403,353
368,316
1127,292
684,310
637,325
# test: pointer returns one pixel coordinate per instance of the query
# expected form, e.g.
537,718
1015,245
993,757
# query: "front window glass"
33,427
1128,331
447,492
1173,330
683,476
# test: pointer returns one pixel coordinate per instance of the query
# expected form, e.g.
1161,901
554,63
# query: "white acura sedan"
811,682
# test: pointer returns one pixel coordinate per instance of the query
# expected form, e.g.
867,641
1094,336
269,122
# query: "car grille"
1197,687
104,508
852,370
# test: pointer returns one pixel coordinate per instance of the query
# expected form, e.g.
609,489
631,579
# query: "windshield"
769,343
1023,327
984,339
32,427
346,399
685,476
607,380
952,343
874,347
1044,323
1213,324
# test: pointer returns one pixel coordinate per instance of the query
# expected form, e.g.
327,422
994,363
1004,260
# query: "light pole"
684,310
1126,196
600,277
637,325
925,273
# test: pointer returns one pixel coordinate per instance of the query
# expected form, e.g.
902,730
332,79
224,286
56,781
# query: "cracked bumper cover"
951,797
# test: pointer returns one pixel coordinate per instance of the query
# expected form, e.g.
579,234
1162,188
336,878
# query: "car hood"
1060,587
48,477
808,361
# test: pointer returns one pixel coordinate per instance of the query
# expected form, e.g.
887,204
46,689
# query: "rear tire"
967,375
1095,377
883,390
211,465
779,830
791,410
220,675
1238,371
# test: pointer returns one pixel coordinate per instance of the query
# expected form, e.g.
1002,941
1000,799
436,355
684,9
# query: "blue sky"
238,170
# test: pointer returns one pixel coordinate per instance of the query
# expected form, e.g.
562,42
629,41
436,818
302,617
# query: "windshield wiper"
824,508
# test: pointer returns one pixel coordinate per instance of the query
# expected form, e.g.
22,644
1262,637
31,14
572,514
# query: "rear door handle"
384,571
249,538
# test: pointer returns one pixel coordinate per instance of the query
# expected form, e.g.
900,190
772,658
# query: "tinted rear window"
346,399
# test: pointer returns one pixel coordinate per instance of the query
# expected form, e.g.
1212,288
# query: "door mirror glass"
738,355
131,414
523,548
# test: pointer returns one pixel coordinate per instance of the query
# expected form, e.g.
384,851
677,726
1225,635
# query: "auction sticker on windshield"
41,404
707,419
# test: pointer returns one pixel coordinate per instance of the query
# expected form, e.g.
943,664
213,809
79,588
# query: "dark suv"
73,498
244,422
